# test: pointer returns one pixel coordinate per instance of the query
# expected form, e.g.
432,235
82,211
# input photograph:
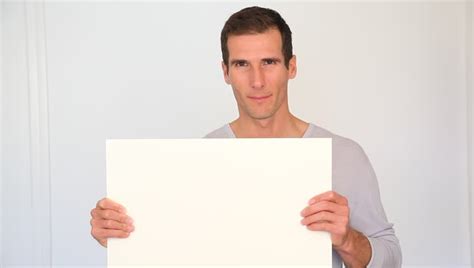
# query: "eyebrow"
232,62
273,59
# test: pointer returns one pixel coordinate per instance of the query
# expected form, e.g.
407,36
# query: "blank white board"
199,202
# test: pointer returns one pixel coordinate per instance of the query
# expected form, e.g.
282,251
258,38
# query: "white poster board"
203,202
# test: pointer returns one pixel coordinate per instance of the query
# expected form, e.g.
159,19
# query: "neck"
287,126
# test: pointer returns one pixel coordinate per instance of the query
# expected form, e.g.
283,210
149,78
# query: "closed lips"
259,97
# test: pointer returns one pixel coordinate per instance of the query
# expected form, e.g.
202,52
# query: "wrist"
355,251
347,245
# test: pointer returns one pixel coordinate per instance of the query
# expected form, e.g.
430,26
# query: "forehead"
266,44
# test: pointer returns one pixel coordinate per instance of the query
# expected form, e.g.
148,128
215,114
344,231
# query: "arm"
356,251
369,238
330,212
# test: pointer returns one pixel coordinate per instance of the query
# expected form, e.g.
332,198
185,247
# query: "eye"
240,63
269,61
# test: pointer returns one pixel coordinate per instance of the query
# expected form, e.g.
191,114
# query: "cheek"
233,77
238,82
237,89
278,81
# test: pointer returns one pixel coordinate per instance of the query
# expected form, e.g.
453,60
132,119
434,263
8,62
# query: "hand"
109,219
328,212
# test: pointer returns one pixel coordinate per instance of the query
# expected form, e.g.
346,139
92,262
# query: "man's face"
257,73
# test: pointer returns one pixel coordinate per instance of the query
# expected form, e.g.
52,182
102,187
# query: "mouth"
260,98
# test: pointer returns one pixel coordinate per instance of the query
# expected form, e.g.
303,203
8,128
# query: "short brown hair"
253,20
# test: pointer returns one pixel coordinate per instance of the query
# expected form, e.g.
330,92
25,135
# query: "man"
258,62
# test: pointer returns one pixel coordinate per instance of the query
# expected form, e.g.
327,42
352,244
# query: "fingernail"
312,201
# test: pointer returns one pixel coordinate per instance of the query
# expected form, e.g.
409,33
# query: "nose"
258,78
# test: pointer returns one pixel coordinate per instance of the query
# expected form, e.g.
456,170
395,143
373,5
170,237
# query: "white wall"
17,211
26,226
470,114
1,130
392,76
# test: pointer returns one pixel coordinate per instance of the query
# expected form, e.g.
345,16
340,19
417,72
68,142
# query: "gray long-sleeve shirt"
354,178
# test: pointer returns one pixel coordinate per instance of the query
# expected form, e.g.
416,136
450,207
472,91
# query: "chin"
261,116
259,113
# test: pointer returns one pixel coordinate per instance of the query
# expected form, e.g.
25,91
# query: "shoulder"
353,174
224,132
340,144
351,166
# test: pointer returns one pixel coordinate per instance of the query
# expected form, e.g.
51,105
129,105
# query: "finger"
106,203
111,215
329,196
103,242
325,206
95,213
328,227
100,233
323,216
111,224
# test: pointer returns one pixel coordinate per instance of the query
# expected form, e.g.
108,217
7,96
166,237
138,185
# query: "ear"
292,67
225,71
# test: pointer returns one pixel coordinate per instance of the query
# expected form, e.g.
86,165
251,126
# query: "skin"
110,220
329,212
259,80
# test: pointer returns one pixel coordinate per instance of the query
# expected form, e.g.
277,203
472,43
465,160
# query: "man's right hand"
109,219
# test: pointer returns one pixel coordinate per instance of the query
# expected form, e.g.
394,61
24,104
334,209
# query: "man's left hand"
328,212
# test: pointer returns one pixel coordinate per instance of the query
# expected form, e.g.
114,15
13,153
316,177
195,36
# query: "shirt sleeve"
359,184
